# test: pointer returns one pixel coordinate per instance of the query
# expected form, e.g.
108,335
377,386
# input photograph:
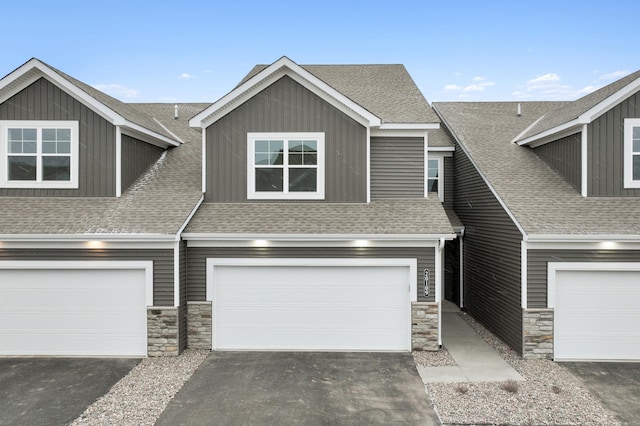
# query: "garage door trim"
147,266
553,267
411,264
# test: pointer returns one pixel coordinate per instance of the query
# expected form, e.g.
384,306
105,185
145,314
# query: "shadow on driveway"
304,388
55,391
616,384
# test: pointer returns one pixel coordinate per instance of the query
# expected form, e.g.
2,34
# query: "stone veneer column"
538,333
199,325
162,331
424,326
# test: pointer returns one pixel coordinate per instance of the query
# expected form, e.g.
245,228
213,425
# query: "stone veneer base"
162,331
538,333
424,326
199,325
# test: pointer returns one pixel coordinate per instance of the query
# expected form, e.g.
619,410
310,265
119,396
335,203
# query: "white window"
285,166
39,154
632,153
434,180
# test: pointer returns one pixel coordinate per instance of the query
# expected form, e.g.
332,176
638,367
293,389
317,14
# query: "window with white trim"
632,153
285,166
434,180
39,154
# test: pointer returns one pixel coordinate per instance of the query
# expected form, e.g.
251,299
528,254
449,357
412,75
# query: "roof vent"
175,112
519,110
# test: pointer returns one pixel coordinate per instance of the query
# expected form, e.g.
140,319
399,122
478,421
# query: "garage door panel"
596,315
75,312
311,307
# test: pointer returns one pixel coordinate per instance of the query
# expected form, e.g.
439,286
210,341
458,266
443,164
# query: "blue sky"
196,51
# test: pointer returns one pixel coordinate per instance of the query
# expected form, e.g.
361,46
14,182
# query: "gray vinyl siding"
448,183
197,258
182,256
605,154
137,156
397,167
565,156
491,255
286,106
42,100
162,264
537,261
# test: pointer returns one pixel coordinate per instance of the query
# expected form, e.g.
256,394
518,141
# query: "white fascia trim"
188,219
315,237
556,238
446,149
84,245
553,134
412,264
204,161
584,145
284,66
554,267
118,161
585,245
87,237
146,135
357,244
523,274
484,178
409,126
146,265
399,133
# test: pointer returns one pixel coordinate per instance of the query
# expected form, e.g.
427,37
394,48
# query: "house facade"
315,207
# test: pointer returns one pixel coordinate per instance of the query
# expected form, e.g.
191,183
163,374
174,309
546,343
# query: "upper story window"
632,153
434,176
39,154
285,166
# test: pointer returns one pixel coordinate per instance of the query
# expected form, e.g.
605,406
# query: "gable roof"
375,95
581,111
541,202
154,207
116,112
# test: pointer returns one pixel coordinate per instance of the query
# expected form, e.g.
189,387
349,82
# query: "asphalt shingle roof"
541,200
159,202
391,217
572,110
388,91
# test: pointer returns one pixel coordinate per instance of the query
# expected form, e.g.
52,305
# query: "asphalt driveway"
306,388
616,384
55,391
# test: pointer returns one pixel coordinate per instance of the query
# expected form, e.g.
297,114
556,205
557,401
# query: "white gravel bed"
440,358
549,396
143,394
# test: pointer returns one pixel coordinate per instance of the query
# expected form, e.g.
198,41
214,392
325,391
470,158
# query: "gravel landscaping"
550,395
143,394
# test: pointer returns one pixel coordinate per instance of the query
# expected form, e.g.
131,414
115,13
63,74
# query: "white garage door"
597,315
57,309
313,306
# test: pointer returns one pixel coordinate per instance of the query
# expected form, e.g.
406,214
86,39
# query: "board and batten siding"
565,156
43,100
397,167
162,263
492,283
537,261
605,152
137,156
286,106
197,260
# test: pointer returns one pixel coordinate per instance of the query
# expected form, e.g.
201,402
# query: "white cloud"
613,75
544,79
117,90
478,78
453,87
479,84
186,76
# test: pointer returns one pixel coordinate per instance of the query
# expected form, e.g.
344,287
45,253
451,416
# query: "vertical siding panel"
564,155
137,156
286,106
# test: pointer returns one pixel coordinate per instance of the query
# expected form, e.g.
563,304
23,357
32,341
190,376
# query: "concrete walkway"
477,361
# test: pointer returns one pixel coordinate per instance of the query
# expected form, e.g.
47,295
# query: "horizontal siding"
491,255
137,156
162,264
605,155
564,155
397,167
286,106
196,261
43,100
183,294
537,261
